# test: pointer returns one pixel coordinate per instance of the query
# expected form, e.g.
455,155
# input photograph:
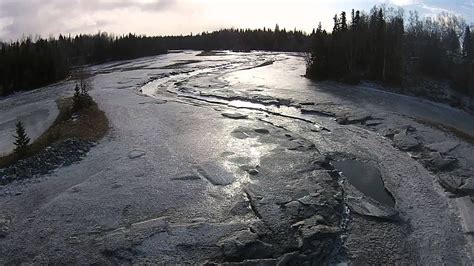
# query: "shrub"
81,97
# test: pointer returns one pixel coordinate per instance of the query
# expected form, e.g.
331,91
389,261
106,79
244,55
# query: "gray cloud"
120,4
44,17
29,17
20,7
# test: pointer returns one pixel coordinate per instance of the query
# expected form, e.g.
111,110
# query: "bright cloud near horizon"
20,18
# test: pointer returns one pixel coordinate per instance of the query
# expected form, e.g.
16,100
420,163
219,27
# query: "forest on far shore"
381,45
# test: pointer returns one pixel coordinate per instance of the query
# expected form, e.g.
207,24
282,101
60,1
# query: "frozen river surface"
227,158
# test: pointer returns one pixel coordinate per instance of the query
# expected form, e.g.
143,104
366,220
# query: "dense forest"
29,64
382,46
243,40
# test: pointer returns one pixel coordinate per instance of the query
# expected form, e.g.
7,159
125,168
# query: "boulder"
355,118
450,182
235,115
217,174
262,130
241,208
440,163
311,221
315,110
466,209
468,186
292,207
245,245
136,154
253,171
405,142
309,200
443,147
312,231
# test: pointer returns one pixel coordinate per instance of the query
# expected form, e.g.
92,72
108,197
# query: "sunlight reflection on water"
245,104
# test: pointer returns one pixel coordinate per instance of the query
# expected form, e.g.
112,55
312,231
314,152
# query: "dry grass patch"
88,124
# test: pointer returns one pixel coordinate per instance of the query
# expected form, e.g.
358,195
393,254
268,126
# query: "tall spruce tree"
21,140
467,46
343,22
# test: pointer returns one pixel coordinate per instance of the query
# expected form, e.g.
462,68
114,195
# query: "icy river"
233,157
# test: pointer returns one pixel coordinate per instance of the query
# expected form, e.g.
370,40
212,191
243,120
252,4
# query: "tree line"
243,40
27,64
382,46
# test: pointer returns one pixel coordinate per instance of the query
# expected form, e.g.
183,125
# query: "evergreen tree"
318,65
77,98
21,140
377,31
81,98
352,18
77,92
336,24
451,41
468,47
355,20
343,22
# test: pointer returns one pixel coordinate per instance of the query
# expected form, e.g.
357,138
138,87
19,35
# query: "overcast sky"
164,17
